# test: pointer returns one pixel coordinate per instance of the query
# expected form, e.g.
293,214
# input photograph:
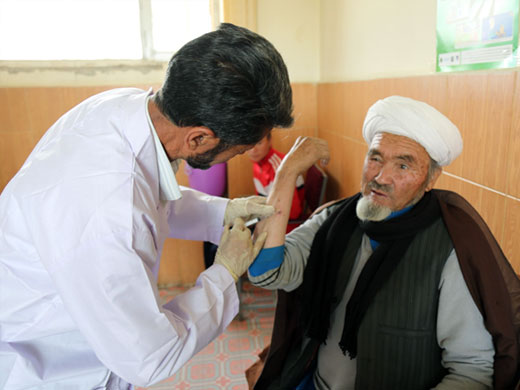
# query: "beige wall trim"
80,73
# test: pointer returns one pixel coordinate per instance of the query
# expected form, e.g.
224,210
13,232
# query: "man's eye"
403,166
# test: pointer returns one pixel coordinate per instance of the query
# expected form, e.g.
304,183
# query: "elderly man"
397,287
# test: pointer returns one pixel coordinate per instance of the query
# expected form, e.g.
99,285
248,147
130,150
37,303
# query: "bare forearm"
305,152
281,198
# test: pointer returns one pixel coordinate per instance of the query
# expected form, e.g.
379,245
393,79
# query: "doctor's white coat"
82,228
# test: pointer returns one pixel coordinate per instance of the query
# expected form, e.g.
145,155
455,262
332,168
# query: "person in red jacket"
266,160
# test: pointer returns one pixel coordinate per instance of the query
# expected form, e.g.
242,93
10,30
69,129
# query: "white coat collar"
168,186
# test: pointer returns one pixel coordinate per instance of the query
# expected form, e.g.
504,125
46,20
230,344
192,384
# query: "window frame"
145,16
152,59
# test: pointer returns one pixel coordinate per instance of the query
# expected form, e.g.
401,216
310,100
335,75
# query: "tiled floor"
221,365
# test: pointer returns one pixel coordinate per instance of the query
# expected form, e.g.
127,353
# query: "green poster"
477,34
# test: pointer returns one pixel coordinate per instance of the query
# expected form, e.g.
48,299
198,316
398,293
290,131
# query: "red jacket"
264,172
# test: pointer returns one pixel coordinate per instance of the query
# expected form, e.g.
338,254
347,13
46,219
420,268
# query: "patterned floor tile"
222,364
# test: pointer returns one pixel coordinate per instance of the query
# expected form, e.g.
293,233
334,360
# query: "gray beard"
367,210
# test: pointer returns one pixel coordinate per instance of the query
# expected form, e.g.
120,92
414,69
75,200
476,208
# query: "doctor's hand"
236,250
247,208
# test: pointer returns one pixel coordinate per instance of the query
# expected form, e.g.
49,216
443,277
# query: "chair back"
315,186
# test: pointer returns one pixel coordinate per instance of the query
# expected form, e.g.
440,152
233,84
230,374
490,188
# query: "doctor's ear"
201,138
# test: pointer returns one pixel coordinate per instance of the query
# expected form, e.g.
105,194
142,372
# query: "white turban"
415,120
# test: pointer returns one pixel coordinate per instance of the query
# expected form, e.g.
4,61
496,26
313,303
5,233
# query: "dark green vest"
397,344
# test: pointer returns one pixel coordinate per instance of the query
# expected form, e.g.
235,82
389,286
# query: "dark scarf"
327,251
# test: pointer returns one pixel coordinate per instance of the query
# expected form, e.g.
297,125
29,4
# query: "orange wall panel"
489,204
332,105
305,105
484,106
481,105
429,89
511,244
181,262
513,156
240,177
345,166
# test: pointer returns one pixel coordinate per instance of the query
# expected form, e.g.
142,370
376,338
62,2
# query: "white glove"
247,208
236,250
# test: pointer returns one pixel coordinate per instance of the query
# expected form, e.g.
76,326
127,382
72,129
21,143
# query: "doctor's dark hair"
231,81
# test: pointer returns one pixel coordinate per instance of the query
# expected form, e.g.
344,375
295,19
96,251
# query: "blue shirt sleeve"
266,260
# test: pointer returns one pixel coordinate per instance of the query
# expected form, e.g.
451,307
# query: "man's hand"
305,152
236,250
247,208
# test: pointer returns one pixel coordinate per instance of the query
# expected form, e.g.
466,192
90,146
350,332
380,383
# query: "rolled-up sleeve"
289,275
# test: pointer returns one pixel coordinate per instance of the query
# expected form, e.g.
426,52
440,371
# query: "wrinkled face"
395,172
260,150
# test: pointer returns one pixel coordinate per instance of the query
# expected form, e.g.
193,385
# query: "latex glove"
247,208
236,250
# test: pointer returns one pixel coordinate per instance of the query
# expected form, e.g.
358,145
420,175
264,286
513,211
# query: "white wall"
367,39
320,41
293,28
343,40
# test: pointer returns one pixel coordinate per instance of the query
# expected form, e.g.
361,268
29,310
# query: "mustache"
374,185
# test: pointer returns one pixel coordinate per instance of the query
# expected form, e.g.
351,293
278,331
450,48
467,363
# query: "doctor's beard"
204,160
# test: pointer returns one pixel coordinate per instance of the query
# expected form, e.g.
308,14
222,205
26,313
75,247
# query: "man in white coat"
83,223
